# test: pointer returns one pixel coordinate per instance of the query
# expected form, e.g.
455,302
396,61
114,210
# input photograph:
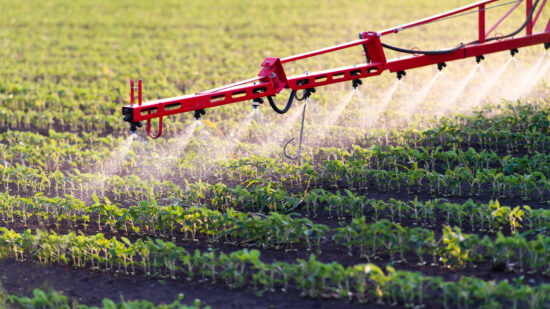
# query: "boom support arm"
272,78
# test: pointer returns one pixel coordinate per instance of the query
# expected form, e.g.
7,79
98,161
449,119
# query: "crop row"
282,231
453,248
59,151
490,132
54,300
389,158
517,177
274,230
437,159
456,182
267,197
270,196
459,181
240,268
481,217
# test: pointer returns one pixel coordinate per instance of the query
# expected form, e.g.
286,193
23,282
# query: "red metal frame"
272,78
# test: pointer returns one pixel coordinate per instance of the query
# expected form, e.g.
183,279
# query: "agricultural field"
429,192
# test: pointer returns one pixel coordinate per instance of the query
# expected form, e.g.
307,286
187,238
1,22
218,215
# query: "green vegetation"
55,300
426,204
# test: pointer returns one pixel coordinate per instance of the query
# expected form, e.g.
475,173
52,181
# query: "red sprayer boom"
272,78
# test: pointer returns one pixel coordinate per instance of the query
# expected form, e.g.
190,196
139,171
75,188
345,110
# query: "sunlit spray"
279,131
529,79
332,119
375,110
412,106
111,166
236,135
176,149
459,91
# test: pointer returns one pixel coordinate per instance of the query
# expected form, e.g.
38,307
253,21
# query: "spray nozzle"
256,102
134,126
514,51
547,46
199,113
441,65
479,58
306,94
401,74
356,82
129,117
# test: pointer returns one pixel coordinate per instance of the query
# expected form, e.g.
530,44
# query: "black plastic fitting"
479,58
401,74
129,117
199,113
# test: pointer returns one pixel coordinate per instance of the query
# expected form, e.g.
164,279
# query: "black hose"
515,32
301,98
425,52
288,104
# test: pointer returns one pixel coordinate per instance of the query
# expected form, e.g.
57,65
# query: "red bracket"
273,72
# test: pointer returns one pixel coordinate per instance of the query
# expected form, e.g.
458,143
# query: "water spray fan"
272,78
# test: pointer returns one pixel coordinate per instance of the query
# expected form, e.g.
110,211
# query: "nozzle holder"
514,51
441,65
256,102
129,117
479,58
401,74
198,113
306,94
547,45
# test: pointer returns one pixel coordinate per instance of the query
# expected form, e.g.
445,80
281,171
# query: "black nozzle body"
129,117
441,65
479,58
547,45
401,74
198,113
514,51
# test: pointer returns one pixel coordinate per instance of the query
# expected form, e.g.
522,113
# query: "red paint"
272,78
528,7
481,25
132,92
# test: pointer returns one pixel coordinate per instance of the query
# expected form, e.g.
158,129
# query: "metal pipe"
324,50
436,17
503,18
528,8
139,92
481,33
539,12
132,92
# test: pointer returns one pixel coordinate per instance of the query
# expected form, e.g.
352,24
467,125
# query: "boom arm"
272,78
